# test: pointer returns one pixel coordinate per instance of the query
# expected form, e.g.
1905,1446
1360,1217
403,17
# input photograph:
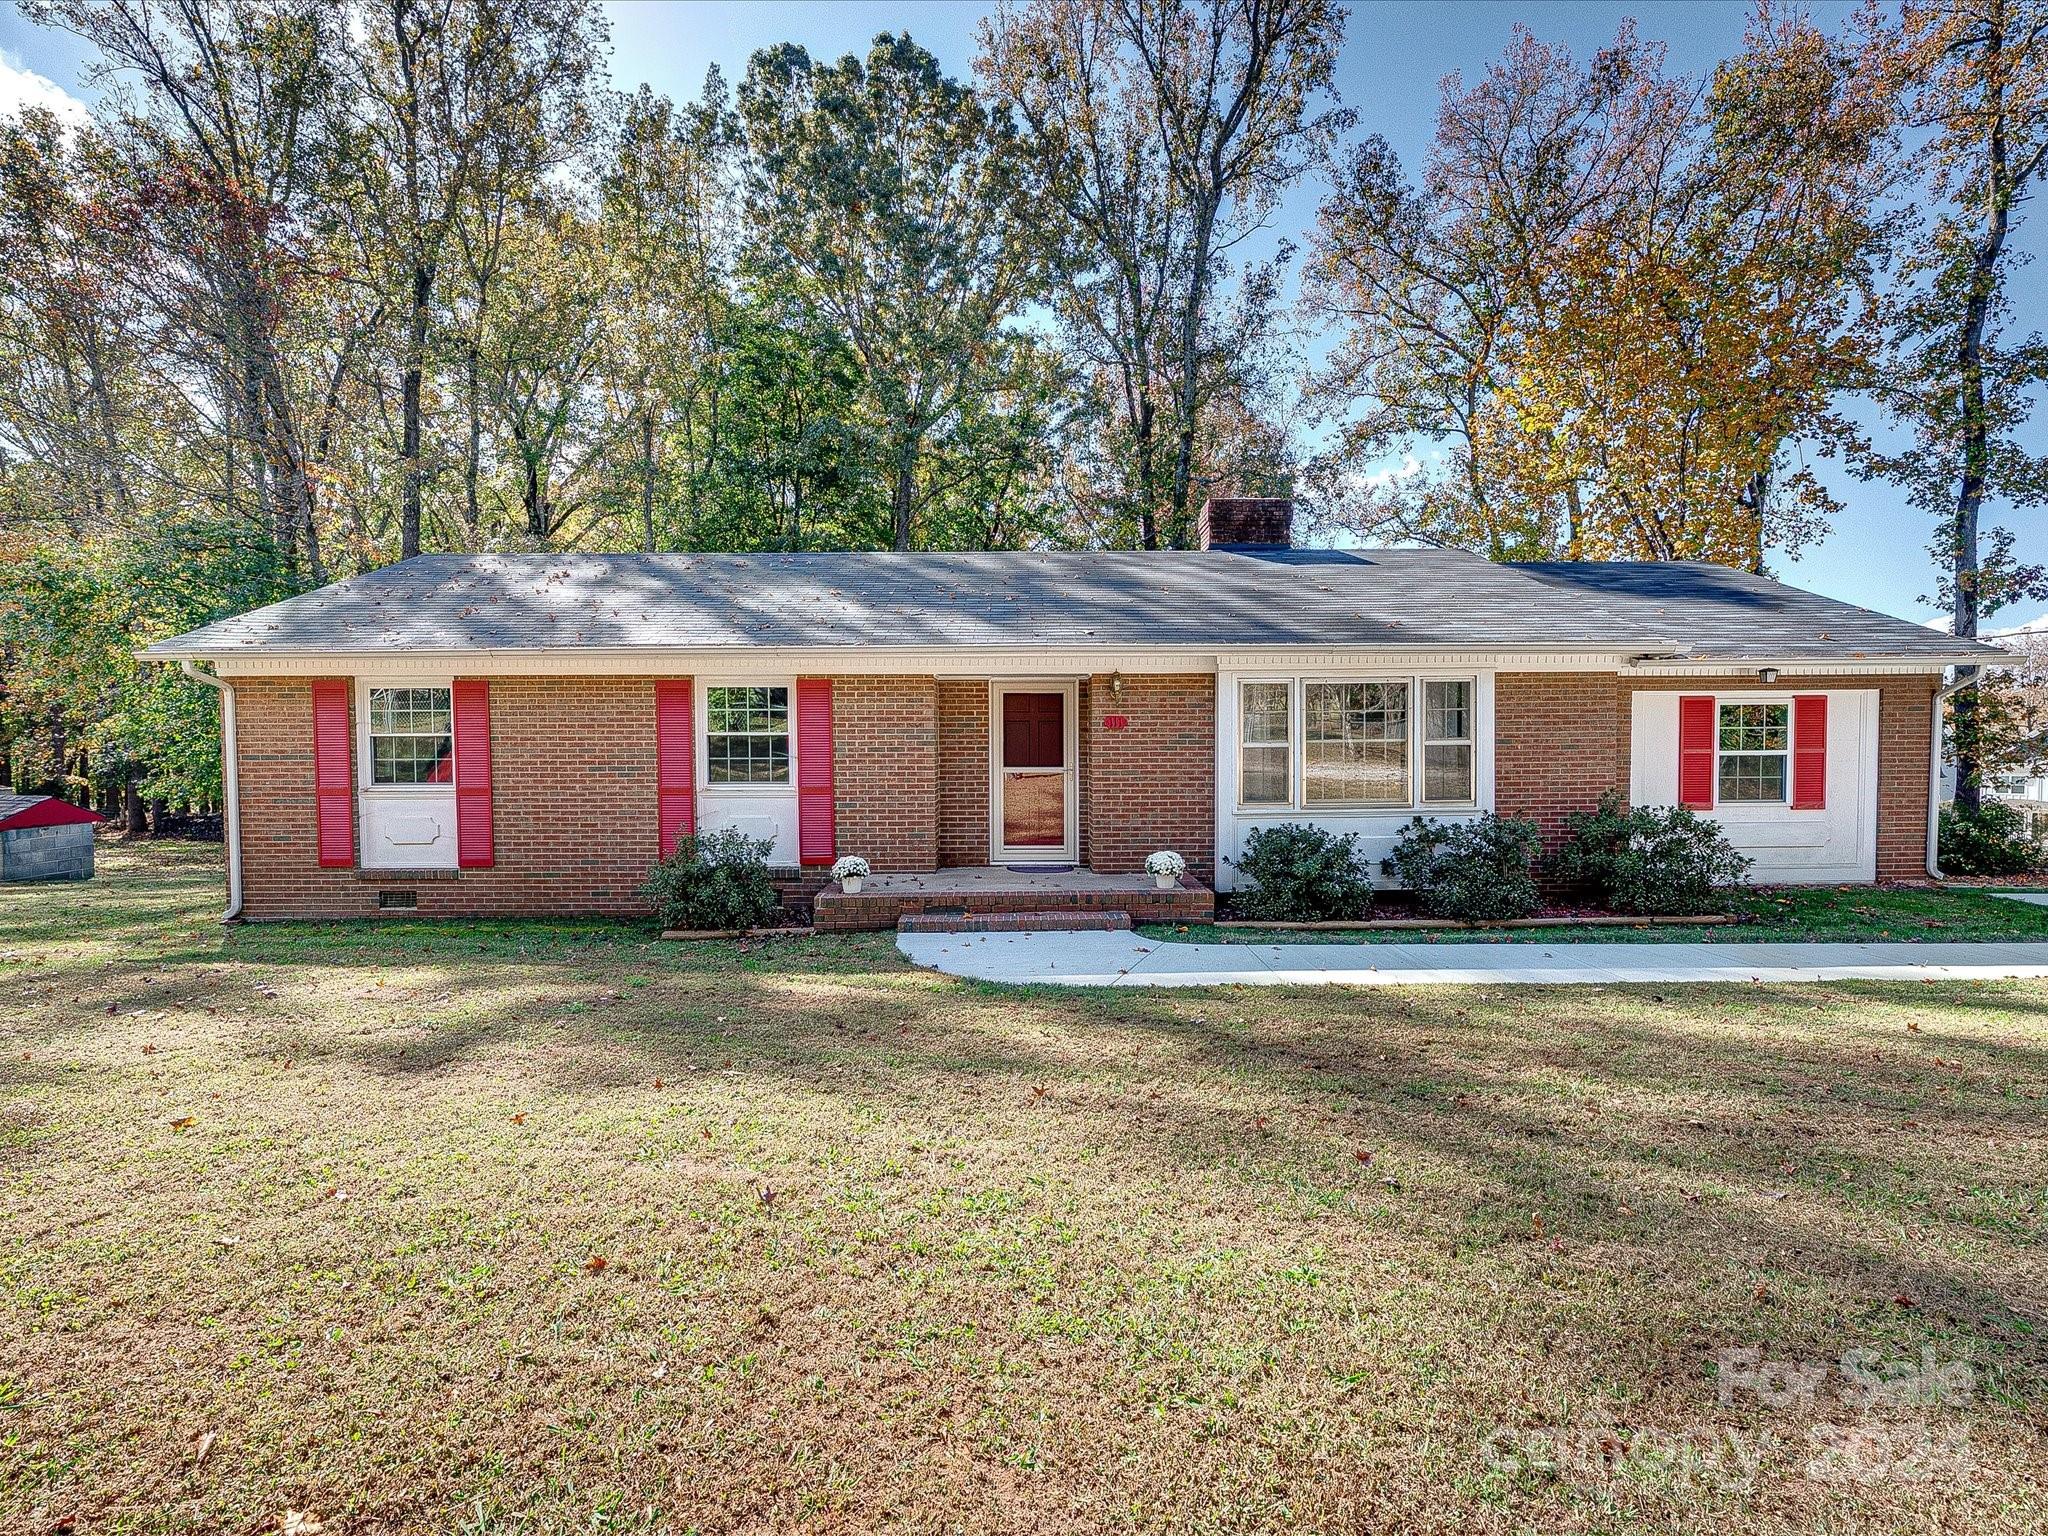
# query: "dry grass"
885,1250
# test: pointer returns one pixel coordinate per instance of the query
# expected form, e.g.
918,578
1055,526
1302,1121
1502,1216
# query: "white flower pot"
851,884
1165,882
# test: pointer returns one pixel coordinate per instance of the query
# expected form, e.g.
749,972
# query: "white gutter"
1934,774
231,789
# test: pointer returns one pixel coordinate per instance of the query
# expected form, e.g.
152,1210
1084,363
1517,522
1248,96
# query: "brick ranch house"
503,734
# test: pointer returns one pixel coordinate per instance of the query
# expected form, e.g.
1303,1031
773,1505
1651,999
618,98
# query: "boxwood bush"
1991,840
1302,874
713,880
1652,861
1473,871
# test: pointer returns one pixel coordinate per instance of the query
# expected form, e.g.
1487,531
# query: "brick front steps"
1062,903
1014,922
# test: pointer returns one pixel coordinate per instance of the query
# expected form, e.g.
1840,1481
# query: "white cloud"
21,87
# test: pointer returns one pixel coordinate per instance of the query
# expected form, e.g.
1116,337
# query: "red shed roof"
17,811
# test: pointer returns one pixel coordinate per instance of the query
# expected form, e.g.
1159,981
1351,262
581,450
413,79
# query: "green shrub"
1992,840
1654,861
1302,874
713,880
1474,871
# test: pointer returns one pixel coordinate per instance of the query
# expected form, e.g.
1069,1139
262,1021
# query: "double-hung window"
1265,766
1447,743
746,735
411,736
1755,742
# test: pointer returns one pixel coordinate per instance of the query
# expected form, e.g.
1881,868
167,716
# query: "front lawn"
519,1227
1848,913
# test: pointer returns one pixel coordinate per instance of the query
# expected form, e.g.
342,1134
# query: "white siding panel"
1838,844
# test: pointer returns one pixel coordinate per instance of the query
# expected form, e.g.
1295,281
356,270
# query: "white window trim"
1297,741
366,752
1292,685
701,748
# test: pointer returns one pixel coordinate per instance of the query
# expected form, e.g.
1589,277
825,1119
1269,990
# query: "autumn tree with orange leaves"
1612,304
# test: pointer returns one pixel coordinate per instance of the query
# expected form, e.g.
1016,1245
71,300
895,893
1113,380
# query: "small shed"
44,838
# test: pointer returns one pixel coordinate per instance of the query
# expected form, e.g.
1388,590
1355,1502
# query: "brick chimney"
1246,522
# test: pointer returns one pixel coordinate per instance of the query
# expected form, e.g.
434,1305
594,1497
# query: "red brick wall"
885,745
1151,785
963,772
1563,737
572,802
1559,743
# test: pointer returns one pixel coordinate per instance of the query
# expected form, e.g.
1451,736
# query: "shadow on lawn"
1487,1105
1571,1118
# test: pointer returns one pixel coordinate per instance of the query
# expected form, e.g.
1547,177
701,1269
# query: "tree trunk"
1976,447
415,371
647,479
472,512
133,822
1148,487
902,497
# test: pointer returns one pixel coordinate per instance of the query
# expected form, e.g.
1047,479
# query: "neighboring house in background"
523,733
2025,793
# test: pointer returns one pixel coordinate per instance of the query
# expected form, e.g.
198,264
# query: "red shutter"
675,761
1696,753
1810,752
472,700
334,775
815,832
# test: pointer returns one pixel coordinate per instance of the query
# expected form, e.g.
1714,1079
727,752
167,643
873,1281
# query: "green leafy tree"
896,206
1963,370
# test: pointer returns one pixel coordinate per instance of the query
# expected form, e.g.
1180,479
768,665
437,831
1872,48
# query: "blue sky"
1396,54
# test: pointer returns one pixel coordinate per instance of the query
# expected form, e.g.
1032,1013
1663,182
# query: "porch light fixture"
1767,675
1116,685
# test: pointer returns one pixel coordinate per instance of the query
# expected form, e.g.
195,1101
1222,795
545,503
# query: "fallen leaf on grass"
520,1118
1363,1156
184,1122
596,1263
201,1444
300,1522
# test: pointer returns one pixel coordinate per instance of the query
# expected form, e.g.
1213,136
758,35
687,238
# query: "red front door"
1031,780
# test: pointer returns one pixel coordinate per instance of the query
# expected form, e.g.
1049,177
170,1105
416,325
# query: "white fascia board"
1798,666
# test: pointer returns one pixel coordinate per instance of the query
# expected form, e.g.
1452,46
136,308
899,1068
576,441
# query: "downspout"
230,783
1934,774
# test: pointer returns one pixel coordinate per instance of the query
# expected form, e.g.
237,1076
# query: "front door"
1034,776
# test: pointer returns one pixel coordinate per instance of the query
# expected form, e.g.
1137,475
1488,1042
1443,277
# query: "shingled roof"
1208,600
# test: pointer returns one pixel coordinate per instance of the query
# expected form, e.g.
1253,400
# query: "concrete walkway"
1129,960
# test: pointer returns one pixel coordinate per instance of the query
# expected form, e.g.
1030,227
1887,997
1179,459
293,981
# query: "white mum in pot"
849,872
1166,867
